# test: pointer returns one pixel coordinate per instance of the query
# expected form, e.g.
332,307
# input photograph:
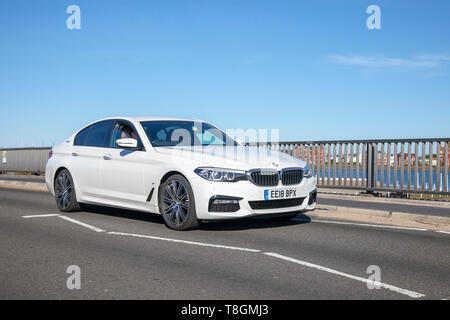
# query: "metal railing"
400,165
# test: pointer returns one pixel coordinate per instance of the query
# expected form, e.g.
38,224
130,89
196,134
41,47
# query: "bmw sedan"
186,170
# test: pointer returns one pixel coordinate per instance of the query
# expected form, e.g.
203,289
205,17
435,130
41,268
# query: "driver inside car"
127,132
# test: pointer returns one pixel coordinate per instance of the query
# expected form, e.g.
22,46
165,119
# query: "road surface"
131,255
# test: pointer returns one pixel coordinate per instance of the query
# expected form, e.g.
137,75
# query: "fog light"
224,204
312,197
225,201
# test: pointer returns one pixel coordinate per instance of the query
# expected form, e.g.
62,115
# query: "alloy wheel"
175,202
63,190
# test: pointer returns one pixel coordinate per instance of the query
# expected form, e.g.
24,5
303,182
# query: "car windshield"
185,133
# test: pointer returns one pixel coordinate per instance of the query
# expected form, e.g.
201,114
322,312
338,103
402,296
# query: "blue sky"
311,69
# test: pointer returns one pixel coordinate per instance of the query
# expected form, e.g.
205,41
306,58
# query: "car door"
88,149
123,171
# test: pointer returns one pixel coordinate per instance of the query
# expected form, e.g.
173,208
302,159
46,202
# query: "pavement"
130,255
23,178
434,209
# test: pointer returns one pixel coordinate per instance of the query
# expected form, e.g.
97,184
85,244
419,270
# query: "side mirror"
127,143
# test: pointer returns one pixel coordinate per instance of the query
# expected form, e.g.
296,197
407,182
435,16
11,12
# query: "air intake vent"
275,204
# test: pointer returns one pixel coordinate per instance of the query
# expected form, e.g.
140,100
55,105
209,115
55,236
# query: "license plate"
280,194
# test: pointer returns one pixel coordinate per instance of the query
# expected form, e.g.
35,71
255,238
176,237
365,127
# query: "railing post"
370,174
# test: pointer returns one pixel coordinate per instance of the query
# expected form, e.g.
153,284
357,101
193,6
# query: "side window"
80,139
123,131
99,134
211,137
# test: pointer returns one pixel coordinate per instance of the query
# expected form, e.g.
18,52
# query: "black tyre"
176,203
66,199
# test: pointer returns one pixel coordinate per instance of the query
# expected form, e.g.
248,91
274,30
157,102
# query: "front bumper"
247,192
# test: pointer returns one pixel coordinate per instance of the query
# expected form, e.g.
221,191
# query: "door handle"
75,154
107,157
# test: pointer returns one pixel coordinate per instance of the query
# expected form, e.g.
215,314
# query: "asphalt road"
132,255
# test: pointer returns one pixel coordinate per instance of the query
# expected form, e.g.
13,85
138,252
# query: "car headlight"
307,172
221,175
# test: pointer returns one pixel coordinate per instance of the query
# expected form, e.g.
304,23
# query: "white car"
186,170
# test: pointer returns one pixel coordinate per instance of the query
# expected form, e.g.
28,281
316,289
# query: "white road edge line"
82,224
447,232
41,216
364,224
315,266
184,241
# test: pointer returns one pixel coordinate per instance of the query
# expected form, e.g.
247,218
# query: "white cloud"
370,62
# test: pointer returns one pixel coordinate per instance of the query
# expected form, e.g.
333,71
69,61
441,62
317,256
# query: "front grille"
275,204
264,178
271,178
291,176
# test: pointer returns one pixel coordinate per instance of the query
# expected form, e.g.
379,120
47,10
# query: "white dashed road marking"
184,241
41,216
82,224
342,274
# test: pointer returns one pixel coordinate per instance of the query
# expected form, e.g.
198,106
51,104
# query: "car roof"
145,118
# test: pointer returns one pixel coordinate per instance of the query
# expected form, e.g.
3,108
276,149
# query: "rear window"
96,135
80,139
99,134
